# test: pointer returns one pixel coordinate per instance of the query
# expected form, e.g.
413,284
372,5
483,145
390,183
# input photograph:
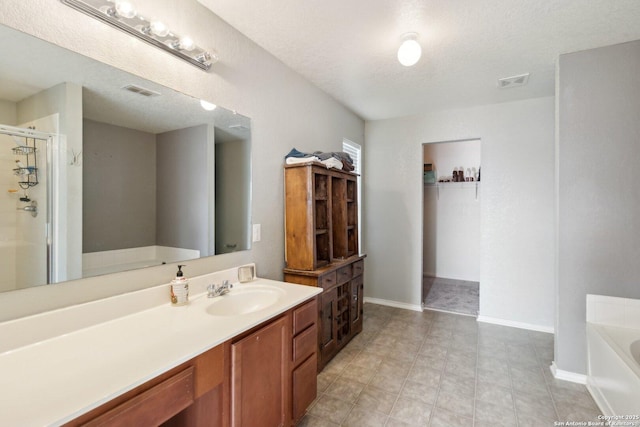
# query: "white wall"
517,209
451,211
8,214
599,203
451,231
8,116
285,110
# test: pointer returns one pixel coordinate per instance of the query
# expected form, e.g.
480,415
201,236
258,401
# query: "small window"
355,151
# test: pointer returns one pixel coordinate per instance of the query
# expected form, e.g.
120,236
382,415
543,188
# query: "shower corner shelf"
23,150
28,174
30,170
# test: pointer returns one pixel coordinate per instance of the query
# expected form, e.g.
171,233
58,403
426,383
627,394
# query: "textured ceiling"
348,48
31,65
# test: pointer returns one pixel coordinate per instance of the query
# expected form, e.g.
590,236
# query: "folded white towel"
332,162
299,160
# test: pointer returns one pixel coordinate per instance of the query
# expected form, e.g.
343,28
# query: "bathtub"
613,346
98,263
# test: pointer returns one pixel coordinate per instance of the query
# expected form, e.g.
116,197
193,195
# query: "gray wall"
516,209
116,213
183,188
598,200
232,206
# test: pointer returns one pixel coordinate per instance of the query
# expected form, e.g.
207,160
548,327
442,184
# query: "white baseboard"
520,325
599,398
395,304
567,375
448,312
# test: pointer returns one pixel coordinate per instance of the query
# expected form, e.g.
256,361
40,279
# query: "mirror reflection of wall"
133,165
232,158
154,208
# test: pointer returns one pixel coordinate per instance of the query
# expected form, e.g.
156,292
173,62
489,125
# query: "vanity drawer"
304,316
358,268
343,274
328,280
305,344
154,406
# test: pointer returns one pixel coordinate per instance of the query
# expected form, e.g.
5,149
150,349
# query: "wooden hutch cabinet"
321,226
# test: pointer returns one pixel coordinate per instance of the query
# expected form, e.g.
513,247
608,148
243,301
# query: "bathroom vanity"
216,359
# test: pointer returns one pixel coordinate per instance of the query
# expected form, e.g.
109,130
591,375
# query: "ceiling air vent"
513,81
140,90
238,127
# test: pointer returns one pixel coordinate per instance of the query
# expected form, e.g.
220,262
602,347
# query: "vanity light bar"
113,12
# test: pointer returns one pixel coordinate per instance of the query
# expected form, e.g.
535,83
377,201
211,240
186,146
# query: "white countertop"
55,380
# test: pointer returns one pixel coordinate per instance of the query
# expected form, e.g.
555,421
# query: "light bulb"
159,29
186,43
410,51
125,9
207,105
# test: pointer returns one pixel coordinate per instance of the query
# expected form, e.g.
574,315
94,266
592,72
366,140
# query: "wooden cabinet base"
340,304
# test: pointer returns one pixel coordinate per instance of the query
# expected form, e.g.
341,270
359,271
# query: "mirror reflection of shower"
25,223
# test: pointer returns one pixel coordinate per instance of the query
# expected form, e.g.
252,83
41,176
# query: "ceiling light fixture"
125,9
123,16
410,51
158,28
207,105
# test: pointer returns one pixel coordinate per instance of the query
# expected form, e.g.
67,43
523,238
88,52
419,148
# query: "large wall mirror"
120,172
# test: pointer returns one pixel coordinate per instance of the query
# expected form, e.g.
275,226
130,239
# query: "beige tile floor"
409,368
454,296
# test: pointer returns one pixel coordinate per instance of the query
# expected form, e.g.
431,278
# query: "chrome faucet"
218,290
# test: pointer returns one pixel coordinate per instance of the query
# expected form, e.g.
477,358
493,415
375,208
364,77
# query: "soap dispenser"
179,288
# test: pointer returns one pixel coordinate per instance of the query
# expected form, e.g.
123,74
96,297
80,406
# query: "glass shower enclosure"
25,206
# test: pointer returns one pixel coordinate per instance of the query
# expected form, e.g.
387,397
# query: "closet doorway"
451,226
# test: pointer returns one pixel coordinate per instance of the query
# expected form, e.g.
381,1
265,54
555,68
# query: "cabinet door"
259,365
328,324
356,304
304,386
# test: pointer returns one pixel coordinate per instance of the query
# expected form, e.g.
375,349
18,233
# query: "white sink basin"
245,299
